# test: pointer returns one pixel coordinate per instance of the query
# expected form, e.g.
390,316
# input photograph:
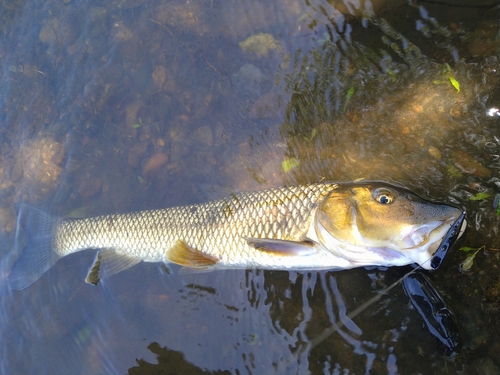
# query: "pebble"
434,152
154,164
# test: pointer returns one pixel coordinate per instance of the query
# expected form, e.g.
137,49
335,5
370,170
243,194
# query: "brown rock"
154,163
467,164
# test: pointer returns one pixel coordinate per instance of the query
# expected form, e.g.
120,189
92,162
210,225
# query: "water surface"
125,105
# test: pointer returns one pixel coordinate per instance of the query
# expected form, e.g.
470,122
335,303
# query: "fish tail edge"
38,255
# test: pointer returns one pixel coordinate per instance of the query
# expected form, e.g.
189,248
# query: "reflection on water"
134,104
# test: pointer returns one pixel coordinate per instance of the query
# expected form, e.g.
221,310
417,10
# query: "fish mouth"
428,243
433,247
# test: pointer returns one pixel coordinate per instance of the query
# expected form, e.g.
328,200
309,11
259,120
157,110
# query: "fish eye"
383,196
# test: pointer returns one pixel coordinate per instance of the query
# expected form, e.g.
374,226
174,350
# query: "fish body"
309,227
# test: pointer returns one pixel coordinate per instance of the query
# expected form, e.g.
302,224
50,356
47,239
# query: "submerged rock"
467,164
154,164
249,80
40,173
261,44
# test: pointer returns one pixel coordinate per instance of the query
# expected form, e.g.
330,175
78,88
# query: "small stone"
159,76
479,47
48,34
131,113
154,163
418,108
434,152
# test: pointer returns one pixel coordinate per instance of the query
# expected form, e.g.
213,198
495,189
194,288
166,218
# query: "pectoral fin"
186,256
107,263
283,247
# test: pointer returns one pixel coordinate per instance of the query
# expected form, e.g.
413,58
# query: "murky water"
125,105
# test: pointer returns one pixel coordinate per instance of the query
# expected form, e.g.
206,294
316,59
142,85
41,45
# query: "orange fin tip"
186,256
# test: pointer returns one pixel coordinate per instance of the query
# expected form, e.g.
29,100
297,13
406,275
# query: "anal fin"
107,263
186,256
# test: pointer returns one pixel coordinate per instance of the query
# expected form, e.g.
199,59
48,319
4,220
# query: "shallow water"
126,105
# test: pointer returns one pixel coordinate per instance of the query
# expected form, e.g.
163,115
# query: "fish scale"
282,213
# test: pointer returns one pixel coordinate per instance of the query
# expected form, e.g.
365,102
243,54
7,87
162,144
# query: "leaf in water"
467,248
350,93
479,196
254,339
453,171
468,262
77,213
446,68
142,180
348,96
138,124
455,83
313,134
288,164
392,74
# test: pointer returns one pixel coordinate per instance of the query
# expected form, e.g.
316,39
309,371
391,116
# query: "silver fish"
310,227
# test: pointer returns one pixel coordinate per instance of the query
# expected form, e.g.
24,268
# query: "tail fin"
38,255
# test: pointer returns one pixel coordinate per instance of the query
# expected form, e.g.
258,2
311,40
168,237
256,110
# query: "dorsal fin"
186,256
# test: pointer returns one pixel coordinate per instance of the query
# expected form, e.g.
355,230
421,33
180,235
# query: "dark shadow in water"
170,362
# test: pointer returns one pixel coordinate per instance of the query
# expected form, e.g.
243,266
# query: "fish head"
380,224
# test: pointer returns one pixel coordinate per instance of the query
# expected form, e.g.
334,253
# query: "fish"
322,226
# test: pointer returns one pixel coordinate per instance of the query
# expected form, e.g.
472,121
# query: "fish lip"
454,233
